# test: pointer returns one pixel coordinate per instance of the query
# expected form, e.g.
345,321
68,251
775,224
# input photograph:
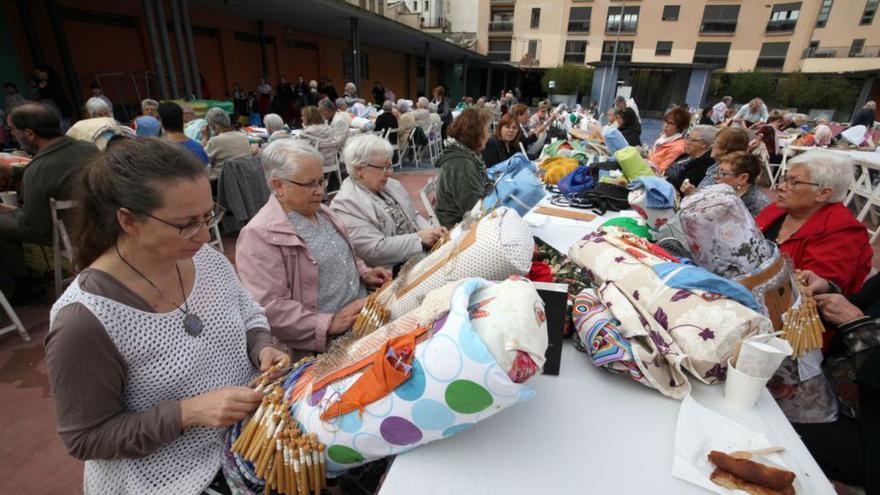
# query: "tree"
568,79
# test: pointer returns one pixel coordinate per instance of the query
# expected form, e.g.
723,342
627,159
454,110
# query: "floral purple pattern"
706,334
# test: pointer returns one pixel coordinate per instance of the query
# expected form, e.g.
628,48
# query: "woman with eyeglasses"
728,140
296,258
382,224
151,347
812,226
740,170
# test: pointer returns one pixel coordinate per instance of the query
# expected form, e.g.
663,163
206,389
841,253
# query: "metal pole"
66,59
30,31
617,44
157,53
464,90
427,88
180,41
194,63
355,53
261,32
166,48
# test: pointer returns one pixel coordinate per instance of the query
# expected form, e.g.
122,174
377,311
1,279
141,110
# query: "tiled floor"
33,459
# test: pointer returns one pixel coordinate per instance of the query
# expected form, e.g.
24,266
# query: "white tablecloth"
586,431
562,233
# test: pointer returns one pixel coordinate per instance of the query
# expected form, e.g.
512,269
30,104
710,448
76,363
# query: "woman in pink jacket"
295,257
669,147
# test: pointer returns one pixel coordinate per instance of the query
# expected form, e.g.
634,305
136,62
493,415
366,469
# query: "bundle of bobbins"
289,461
803,328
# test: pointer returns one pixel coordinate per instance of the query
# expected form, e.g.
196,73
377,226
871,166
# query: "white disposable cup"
741,391
9,198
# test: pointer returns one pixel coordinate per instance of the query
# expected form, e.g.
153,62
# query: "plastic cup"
741,391
9,198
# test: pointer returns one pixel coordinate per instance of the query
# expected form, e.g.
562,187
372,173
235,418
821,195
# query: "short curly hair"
679,117
471,127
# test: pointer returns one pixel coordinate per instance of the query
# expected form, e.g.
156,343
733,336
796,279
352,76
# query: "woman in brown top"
150,347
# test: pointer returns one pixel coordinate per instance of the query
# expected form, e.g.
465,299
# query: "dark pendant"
193,324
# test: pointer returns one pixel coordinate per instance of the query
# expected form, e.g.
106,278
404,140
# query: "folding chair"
428,195
62,248
435,142
395,148
13,318
330,151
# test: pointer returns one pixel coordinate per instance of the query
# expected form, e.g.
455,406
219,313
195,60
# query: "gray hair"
727,98
432,107
313,84
149,103
387,106
422,103
217,117
273,122
326,104
350,88
341,105
404,105
97,107
828,169
870,105
282,157
362,149
704,133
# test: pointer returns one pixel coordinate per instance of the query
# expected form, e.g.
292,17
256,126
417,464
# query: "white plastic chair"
330,151
435,142
62,248
13,318
395,148
428,195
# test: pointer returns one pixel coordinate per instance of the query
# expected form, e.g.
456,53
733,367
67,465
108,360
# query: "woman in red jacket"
812,226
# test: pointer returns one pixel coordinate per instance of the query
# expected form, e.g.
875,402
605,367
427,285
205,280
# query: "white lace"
164,363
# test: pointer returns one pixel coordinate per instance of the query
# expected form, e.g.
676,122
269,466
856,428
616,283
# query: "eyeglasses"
313,185
721,173
383,168
190,229
792,182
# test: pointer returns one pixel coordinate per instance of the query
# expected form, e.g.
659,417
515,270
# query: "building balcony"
502,2
501,26
435,23
840,59
499,56
842,52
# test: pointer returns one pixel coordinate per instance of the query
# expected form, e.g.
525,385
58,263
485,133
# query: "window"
499,50
824,12
719,18
533,49
855,50
772,56
670,12
348,67
501,20
663,48
870,10
626,19
579,19
624,51
711,53
784,17
575,51
536,18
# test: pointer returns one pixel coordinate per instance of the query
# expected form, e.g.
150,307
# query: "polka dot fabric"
164,363
454,384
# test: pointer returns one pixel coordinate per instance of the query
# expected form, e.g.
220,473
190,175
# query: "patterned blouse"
402,225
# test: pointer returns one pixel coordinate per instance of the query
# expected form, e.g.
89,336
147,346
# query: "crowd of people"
170,331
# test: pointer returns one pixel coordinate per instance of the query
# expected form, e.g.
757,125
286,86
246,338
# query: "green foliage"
747,85
570,79
791,90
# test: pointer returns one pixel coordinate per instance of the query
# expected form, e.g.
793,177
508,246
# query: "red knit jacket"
832,243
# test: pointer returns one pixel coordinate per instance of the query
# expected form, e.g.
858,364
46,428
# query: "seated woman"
505,142
275,127
295,257
462,180
740,170
382,224
150,349
669,147
628,125
812,226
727,141
692,167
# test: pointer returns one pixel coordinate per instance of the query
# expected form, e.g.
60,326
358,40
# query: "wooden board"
563,213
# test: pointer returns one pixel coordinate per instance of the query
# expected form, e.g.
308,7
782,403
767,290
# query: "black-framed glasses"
190,229
311,185
384,168
793,182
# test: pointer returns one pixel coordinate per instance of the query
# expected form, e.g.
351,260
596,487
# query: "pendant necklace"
192,324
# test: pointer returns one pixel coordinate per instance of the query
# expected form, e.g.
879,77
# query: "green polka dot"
341,454
466,397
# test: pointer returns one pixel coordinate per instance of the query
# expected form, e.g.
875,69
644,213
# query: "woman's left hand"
271,356
377,276
837,309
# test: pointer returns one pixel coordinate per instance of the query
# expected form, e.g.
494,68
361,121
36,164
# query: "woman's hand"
429,237
345,317
837,309
687,188
814,283
220,408
270,356
377,276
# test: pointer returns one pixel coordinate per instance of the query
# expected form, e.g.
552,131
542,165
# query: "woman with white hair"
98,107
812,226
350,93
221,141
295,256
382,224
275,127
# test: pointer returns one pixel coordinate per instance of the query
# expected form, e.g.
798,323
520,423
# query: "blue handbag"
520,191
578,180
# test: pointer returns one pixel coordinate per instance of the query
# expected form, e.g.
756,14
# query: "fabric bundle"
556,168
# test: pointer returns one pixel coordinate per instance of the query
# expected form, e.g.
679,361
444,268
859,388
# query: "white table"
562,233
586,431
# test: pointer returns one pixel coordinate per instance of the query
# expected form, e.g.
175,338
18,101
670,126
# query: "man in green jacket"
57,159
